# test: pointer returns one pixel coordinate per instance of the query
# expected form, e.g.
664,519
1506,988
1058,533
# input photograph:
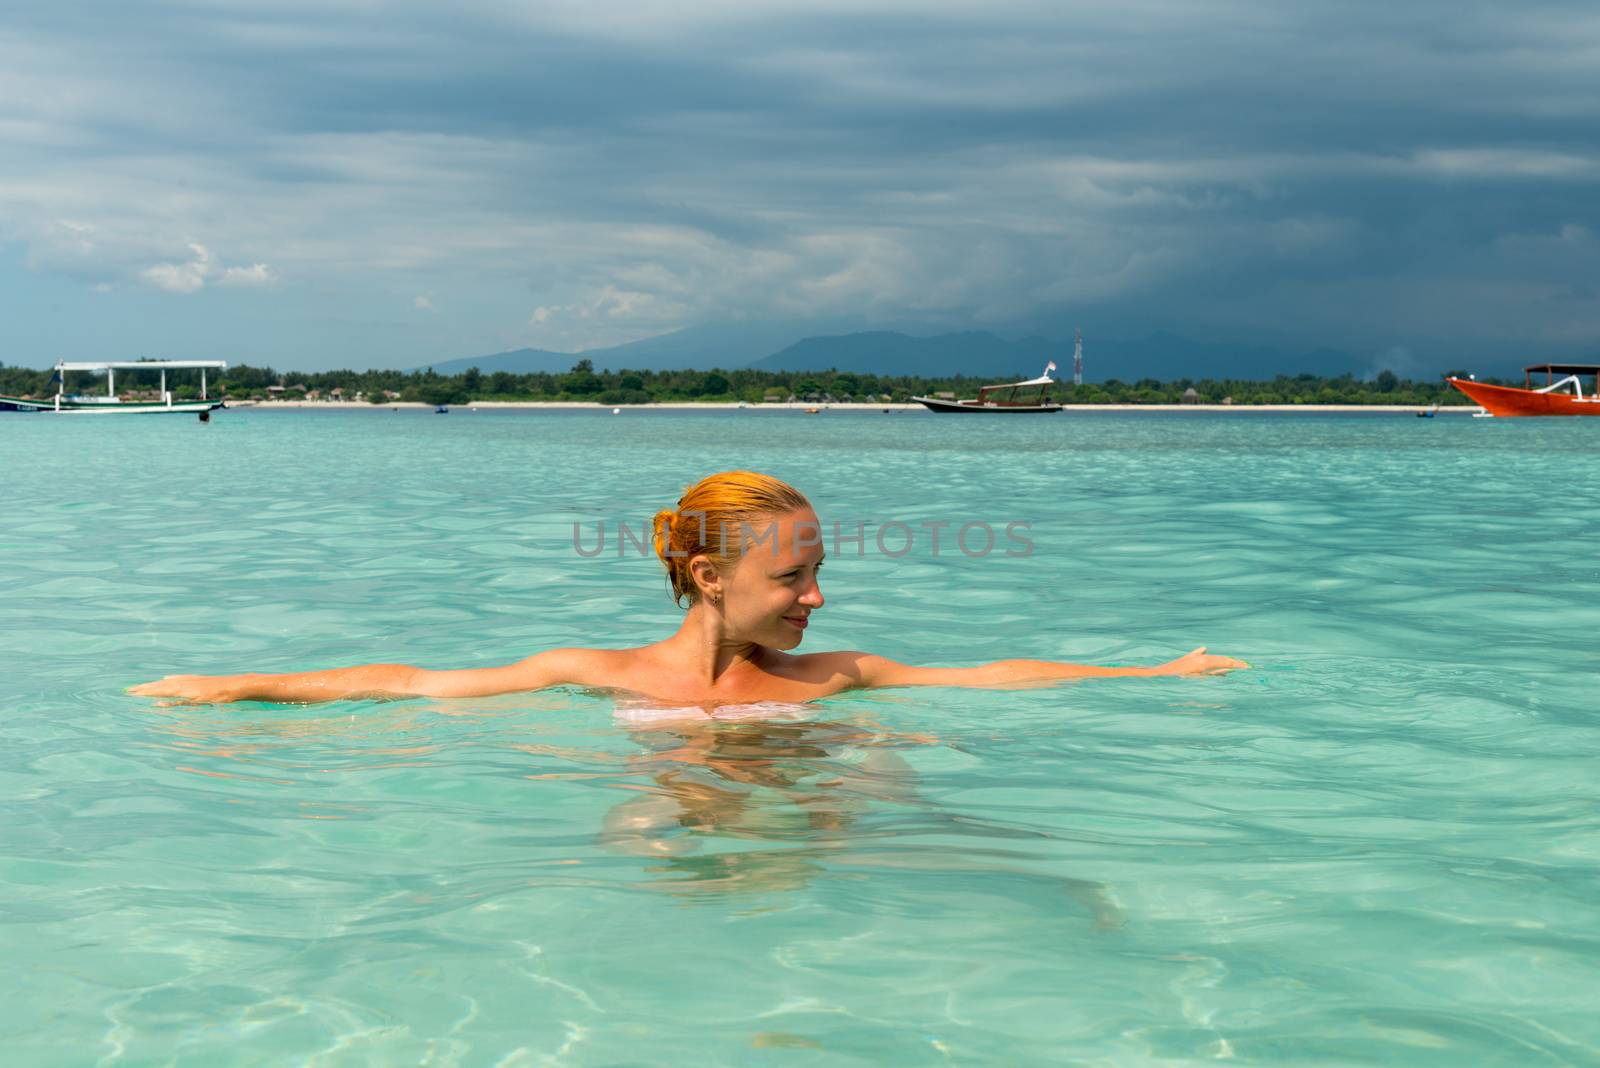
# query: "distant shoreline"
801,406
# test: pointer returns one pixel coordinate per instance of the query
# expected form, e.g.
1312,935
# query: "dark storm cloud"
1372,175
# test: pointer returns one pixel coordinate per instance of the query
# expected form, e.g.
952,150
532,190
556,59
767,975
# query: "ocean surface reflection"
752,806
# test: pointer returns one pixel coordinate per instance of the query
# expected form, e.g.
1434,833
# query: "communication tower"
1077,357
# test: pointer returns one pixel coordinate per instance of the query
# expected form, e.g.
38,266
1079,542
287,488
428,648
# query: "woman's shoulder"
577,655
583,667
840,665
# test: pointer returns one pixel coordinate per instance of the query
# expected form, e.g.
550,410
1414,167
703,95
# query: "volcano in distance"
976,354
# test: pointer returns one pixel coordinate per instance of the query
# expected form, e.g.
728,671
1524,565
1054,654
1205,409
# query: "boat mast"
1077,357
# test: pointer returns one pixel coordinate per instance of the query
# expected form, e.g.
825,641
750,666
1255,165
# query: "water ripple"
1377,846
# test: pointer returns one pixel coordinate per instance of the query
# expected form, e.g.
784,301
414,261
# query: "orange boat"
1550,399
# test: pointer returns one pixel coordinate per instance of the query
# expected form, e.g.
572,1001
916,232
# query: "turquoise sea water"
1379,846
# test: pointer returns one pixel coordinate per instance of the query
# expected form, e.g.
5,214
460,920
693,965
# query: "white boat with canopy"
64,403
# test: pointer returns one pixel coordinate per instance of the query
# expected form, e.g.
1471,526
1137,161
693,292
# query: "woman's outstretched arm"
553,668
872,672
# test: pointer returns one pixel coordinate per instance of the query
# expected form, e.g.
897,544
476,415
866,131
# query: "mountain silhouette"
977,354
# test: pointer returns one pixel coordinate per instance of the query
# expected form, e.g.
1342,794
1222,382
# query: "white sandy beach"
800,406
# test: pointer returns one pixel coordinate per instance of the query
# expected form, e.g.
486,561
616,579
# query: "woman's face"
773,589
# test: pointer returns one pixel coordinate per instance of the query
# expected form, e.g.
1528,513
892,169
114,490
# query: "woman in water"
743,550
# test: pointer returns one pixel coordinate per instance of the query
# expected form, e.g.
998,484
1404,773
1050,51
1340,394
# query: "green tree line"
584,383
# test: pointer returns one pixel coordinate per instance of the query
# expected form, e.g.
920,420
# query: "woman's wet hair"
713,518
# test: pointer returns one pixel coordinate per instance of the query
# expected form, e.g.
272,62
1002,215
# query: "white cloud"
423,302
608,302
78,236
257,274
1495,162
192,276
542,315
181,277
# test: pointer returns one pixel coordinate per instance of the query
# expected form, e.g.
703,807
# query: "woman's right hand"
192,689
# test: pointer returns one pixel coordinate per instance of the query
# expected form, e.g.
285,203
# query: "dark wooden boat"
1009,398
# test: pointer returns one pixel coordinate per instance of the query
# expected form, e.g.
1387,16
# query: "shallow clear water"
1378,845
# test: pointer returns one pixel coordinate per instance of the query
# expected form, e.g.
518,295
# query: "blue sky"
387,184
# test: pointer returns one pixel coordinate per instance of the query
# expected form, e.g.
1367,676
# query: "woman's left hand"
1200,662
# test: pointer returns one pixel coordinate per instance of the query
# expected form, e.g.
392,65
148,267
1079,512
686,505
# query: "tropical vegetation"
585,384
